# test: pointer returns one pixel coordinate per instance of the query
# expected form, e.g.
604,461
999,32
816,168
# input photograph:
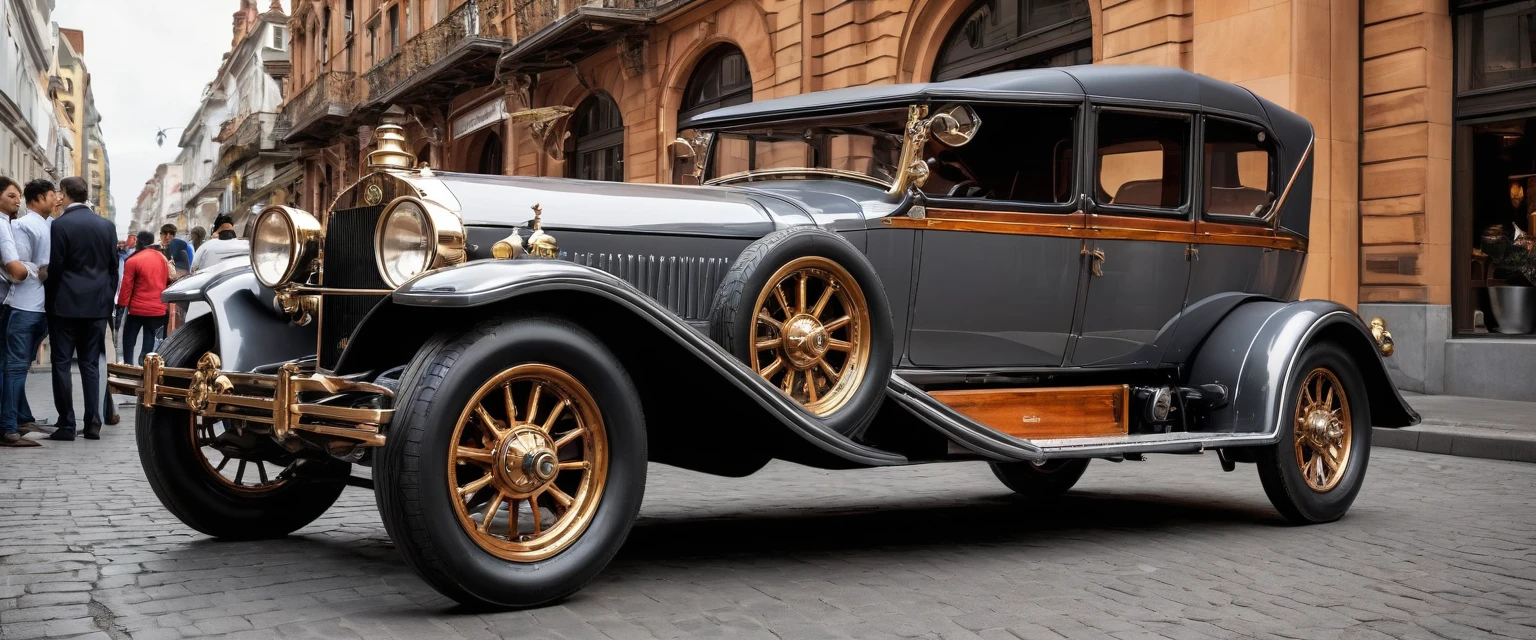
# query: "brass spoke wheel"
528,463
218,447
1322,430
811,334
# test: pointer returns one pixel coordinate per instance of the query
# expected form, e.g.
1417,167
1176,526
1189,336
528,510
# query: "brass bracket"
206,382
152,364
1382,336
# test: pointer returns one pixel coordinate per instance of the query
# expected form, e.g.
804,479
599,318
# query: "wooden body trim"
1098,227
1046,412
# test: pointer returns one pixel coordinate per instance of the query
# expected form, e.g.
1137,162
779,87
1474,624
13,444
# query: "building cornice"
34,40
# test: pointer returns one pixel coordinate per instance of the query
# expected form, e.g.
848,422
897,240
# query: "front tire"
1047,480
1315,471
253,489
515,464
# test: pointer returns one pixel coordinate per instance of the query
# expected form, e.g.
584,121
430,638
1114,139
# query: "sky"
149,61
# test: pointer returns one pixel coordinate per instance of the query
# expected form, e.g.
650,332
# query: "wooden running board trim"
1048,413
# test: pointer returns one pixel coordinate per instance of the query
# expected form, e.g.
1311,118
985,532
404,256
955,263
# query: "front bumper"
273,400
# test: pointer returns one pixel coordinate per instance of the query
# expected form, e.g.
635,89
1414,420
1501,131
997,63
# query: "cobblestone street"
1436,547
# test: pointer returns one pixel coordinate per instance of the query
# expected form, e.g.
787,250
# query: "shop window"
1021,154
1140,160
597,147
1496,46
1239,169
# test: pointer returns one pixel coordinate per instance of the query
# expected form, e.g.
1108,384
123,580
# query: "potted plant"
1514,303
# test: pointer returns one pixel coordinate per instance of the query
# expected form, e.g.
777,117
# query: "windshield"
866,144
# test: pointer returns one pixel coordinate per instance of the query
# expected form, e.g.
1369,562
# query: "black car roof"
1153,85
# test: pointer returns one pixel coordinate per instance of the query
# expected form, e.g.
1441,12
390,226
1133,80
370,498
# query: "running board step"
997,445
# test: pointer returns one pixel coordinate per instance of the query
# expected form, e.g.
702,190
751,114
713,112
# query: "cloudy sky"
149,61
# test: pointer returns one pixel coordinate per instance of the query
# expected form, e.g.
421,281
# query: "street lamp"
160,136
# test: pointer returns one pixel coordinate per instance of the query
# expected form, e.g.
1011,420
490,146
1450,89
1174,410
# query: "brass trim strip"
1231,235
341,292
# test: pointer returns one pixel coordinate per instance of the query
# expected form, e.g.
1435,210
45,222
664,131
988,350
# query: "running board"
1001,447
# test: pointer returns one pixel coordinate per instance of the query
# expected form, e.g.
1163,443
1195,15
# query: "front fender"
1253,352
250,332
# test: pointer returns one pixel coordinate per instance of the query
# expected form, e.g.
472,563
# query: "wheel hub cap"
527,461
805,341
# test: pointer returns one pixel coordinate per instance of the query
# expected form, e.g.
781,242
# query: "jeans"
81,339
24,332
150,325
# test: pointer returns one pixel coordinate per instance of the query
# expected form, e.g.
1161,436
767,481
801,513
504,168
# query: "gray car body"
967,307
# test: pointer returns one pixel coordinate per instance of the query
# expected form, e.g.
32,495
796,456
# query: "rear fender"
1254,350
699,400
250,332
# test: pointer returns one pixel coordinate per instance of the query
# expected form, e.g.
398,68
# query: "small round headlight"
284,243
416,236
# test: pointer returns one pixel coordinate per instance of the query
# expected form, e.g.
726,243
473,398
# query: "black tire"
188,489
1279,467
1047,480
732,313
412,478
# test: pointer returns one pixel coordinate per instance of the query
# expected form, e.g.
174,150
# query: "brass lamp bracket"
1382,336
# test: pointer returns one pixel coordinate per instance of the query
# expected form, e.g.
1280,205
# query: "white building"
229,157
32,144
160,202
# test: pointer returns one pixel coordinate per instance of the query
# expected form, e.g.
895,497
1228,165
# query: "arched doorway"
721,79
597,145
490,155
1003,35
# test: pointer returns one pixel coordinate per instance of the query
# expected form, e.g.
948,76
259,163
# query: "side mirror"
954,125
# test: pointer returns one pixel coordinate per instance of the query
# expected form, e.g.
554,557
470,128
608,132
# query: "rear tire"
1305,484
1047,480
443,464
184,479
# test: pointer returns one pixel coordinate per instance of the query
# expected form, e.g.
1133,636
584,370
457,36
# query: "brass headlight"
416,236
284,244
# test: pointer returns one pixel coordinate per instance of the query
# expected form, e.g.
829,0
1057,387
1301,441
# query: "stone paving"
1435,547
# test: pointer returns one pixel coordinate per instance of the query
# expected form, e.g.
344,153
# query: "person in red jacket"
145,276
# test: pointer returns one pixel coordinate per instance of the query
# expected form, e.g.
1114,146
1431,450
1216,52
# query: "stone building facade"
1401,94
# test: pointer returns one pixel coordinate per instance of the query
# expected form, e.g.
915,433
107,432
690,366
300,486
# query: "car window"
1239,169
1020,154
1141,160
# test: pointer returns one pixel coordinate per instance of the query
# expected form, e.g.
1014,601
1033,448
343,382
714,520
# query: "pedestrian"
145,276
82,267
198,235
223,247
176,250
15,271
27,324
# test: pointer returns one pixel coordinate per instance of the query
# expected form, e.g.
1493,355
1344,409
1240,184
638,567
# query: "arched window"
721,79
490,155
1004,35
597,147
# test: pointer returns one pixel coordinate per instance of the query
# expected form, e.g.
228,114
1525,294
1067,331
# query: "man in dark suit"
82,278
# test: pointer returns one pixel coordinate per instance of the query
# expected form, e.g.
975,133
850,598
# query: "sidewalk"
1468,427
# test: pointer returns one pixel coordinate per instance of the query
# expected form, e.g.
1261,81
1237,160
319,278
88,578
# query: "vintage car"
1032,269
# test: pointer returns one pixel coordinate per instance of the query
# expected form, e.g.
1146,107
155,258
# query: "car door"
1238,250
1139,251
998,273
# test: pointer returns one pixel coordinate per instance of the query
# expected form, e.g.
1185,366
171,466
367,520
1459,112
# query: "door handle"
1095,261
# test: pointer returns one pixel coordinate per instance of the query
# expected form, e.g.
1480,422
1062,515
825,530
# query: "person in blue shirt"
176,250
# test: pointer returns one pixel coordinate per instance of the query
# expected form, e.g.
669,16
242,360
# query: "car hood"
623,207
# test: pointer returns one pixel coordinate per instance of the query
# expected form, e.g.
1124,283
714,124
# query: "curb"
1455,440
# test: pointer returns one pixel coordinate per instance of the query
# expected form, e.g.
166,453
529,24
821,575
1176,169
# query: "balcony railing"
472,20
533,15
333,94
251,137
